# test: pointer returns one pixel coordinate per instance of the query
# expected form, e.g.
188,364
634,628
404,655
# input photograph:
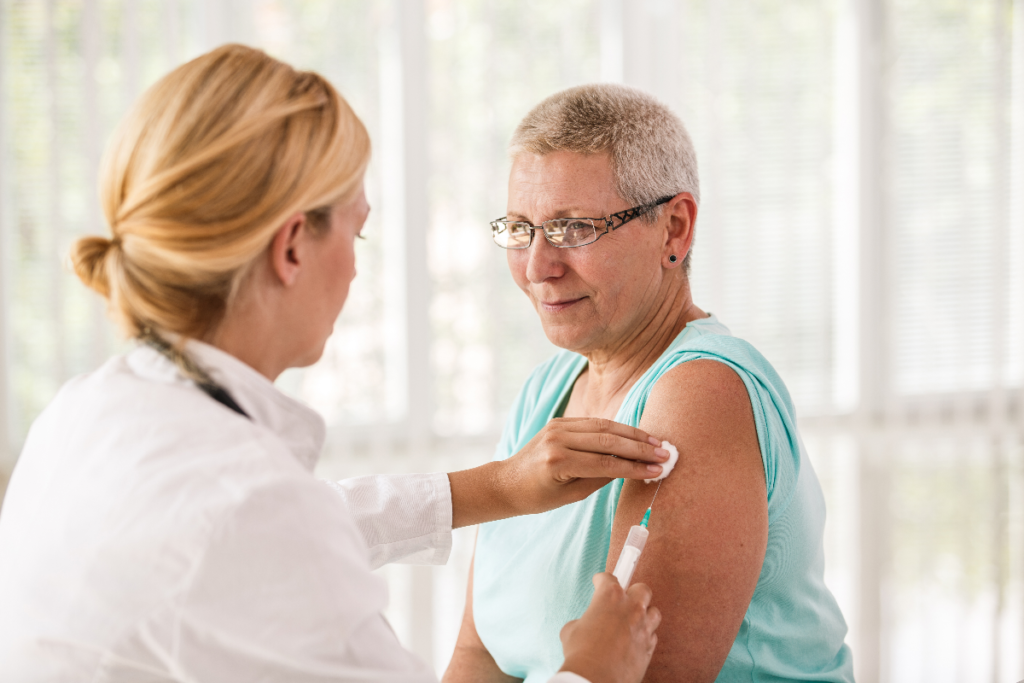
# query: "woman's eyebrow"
572,212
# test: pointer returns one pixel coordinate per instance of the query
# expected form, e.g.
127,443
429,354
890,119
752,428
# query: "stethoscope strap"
220,395
195,373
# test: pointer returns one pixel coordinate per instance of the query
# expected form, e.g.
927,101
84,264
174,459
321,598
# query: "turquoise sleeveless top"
533,574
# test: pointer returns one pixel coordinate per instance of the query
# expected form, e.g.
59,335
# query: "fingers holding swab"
666,467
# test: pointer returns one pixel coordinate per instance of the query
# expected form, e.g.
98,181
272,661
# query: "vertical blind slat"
7,452
54,201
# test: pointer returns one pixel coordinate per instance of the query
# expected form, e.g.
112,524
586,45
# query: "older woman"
602,206
163,523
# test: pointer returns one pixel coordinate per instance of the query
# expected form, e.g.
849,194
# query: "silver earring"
672,258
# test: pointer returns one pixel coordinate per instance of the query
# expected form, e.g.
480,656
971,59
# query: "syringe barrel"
630,555
637,537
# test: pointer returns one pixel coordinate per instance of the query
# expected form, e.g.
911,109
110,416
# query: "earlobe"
673,260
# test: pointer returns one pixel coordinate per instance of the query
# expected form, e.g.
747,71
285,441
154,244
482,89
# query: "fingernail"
661,453
654,442
654,469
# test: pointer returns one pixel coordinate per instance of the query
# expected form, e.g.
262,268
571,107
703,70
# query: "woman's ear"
682,218
286,249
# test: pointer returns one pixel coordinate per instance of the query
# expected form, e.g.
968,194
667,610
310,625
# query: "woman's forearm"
479,495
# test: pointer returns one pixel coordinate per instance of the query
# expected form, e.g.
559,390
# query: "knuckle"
552,458
605,441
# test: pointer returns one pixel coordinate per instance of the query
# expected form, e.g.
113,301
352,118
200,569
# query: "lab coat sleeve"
404,518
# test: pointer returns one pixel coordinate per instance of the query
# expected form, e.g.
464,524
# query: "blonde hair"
206,167
651,152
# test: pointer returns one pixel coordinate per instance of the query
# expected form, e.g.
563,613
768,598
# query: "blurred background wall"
862,224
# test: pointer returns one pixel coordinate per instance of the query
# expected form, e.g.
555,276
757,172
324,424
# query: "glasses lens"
570,232
511,235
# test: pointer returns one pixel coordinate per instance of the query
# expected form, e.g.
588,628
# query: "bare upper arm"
709,527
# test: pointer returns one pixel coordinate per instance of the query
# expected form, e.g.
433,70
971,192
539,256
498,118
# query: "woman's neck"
611,372
256,328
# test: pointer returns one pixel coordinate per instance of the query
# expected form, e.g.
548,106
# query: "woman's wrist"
481,494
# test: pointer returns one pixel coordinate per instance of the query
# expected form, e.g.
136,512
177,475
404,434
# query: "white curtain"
862,223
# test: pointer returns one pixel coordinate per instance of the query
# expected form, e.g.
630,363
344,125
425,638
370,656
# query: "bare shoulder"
703,393
703,408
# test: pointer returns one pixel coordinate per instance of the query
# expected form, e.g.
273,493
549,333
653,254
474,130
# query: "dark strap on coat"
192,371
220,395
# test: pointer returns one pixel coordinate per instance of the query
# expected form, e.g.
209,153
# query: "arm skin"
709,530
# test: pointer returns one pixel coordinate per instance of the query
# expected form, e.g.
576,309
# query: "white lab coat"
151,534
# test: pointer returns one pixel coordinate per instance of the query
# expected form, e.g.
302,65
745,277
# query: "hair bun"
89,259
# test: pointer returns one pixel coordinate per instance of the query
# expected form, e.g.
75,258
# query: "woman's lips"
561,305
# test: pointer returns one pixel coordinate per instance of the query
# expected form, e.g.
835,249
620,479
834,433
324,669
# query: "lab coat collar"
301,428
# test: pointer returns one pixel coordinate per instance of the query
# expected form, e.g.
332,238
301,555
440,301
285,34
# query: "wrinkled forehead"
561,183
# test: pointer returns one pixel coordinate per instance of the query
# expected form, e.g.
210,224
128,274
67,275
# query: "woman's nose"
544,261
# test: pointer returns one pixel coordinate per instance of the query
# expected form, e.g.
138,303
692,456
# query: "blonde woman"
163,523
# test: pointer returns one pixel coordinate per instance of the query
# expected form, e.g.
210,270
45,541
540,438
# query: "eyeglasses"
565,232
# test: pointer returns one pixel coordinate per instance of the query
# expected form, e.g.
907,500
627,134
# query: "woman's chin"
570,337
310,355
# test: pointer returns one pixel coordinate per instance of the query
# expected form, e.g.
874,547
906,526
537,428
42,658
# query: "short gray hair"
651,152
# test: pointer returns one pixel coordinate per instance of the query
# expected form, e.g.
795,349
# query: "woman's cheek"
517,267
348,265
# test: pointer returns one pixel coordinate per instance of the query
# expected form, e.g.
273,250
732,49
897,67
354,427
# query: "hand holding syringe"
637,538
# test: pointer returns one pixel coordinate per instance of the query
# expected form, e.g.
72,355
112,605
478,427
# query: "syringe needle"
635,542
655,494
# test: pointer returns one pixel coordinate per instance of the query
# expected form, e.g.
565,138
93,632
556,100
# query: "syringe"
630,555
637,538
